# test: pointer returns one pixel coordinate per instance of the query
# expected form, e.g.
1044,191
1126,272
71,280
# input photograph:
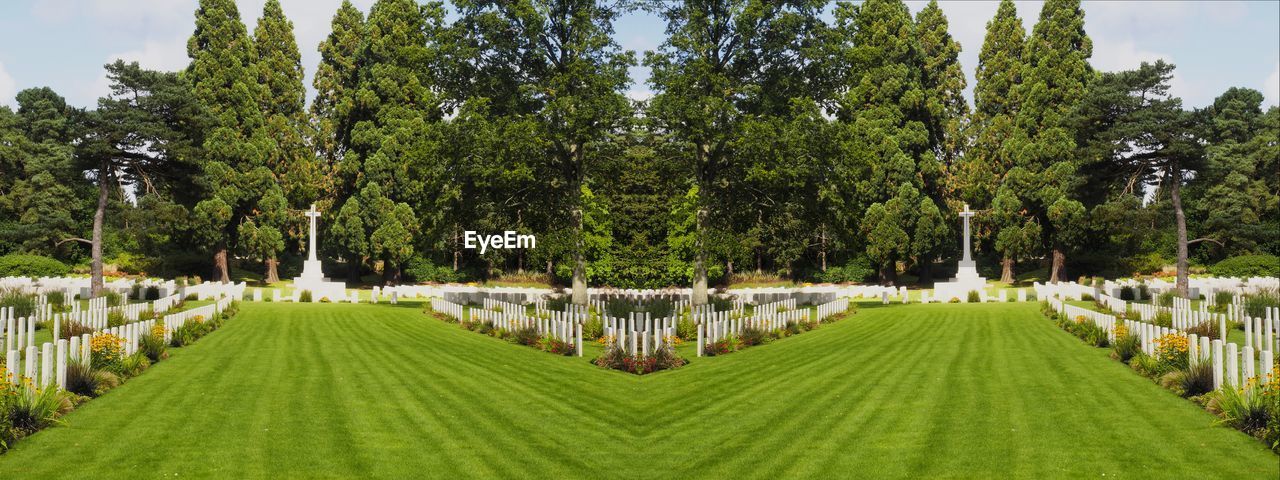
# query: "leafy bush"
722,303
17,265
1165,299
662,358
1205,329
1126,293
660,308
618,307
857,271
153,346
113,299
554,345
1126,347
57,299
1192,381
33,409
1146,365
753,336
525,336
974,296
686,329
305,296
1245,266
83,379
151,293
131,366
23,304
1163,319
1257,302
105,350
593,328
1243,408
71,328
725,345
115,318
422,269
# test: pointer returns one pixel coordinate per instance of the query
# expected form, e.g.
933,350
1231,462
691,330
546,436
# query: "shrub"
722,303
1086,297
554,345
131,366
618,307
1126,348
665,358
18,265
422,269
1163,319
1165,299
1171,349
190,298
525,336
1146,365
856,271
71,328
1245,266
1190,382
593,328
305,296
1126,293
105,350
57,299
115,318
23,304
113,299
613,357
32,409
1221,300
1143,291
753,336
83,379
1205,329
151,293
974,296
1242,408
686,329
153,347
660,308
1256,303
725,345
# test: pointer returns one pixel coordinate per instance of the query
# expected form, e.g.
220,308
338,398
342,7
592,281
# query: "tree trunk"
728,273
822,249
1006,270
1175,197
579,263
1056,269
390,273
272,275
99,217
220,271
700,262
457,253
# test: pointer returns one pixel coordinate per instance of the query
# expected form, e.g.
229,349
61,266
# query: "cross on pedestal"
965,215
313,214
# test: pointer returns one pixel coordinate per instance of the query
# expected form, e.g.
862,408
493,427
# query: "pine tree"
883,107
943,81
986,162
1055,76
297,179
334,109
224,81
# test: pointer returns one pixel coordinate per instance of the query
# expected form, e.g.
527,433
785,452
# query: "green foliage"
1192,381
422,269
1244,408
83,379
17,265
1246,266
974,296
592,329
1126,348
305,296
857,271
1257,302
23,304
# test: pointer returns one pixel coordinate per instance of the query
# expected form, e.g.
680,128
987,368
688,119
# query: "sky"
63,44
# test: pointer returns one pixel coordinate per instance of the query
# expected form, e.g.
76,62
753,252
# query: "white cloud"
166,55
8,87
1271,89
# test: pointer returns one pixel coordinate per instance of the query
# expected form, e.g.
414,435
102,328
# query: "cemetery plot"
344,390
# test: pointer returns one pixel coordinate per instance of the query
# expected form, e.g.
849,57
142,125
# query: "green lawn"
972,391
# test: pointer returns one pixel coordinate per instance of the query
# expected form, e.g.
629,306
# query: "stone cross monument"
967,260
967,278
313,214
312,277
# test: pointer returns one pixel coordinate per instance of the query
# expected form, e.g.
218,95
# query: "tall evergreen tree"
883,107
1055,76
987,160
279,69
234,171
42,194
946,114
334,108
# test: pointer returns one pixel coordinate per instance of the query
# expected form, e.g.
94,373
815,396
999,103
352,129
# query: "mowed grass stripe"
325,391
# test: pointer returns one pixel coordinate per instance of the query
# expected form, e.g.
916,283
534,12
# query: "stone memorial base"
967,280
313,280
